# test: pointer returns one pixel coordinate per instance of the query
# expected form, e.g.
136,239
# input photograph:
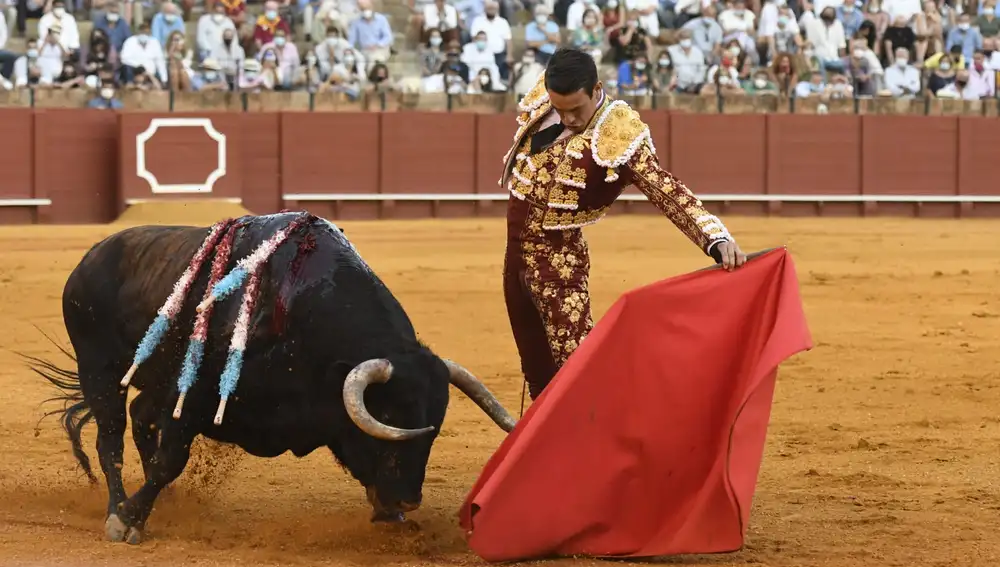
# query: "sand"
882,448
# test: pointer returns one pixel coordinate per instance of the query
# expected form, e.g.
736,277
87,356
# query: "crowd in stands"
805,48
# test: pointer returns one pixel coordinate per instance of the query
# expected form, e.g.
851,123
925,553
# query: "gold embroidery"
618,134
560,220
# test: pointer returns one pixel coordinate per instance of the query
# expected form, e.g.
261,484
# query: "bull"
331,360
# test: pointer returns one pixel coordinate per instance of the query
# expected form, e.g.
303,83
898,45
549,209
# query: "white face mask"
848,8
113,17
349,61
963,26
640,65
734,51
436,40
589,22
685,43
59,12
944,66
902,61
612,4
759,83
107,93
366,14
858,53
217,18
540,20
483,79
664,62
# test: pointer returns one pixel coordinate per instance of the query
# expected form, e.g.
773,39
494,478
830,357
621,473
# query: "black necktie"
545,137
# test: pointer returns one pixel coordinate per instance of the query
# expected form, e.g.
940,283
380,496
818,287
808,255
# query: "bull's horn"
477,392
371,371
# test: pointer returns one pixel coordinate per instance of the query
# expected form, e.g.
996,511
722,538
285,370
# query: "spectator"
30,69
868,32
705,32
987,22
432,56
453,58
981,77
786,37
331,50
144,80
141,50
498,36
69,33
839,87
236,10
166,22
542,34
454,81
760,84
106,98
992,54
287,58
743,61
738,21
662,75
526,73
468,11
633,76
271,73
331,13
484,84
589,36
178,57
874,65
441,16
51,54
826,35
68,78
209,77
880,20
310,75
7,58
630,40
689,64
898,35
813,88
252,79
902,79
34,9
687,10
959,88
229,54
850,18
346,77
941,75
97,53
966,36
613,15
116,29
378,79
267,26
647,17
210,28
477,56
575,13
783,74
930,30
723,78
858,70
370,34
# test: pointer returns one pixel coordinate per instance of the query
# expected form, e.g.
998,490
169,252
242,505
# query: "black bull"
324,328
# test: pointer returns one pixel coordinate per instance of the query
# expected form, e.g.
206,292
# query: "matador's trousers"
545,288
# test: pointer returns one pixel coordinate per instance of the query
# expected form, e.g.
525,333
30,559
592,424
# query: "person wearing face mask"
633,77
141,50
898,35
28,69
268,24
850,17
330,49
575,13
166,22
589,36
432,55
498,35
705,32
69,34
965,36
723,78
859,71
370,34
786,37
210,28
287,58
737,20
760,84
542,34
477,56
689,64
209,77
990,46
229,54
442,16
112,24
902,79
629,40
959,88
826,37
981,78
105,98
942,75
662,74
345,77
482,84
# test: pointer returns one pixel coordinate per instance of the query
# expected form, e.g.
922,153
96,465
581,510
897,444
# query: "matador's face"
576,109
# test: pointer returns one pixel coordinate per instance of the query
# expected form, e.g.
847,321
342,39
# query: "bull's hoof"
133,537
115,529
388,518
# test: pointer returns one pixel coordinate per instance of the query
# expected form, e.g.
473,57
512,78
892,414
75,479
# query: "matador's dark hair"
571,70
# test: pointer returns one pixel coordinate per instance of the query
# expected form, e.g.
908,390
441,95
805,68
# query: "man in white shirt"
901,78
689,64
443,17
69,36
649,19
826,34
498,36
960,89
142,50
30,69
477,55
210,28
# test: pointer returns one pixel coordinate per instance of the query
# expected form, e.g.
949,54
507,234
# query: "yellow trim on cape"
618,134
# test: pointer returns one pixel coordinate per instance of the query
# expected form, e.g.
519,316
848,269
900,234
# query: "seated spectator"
25,9
331,50
453,57
309,74
330,13
906,9
114,27
959,88
612,15
955,54
442,17
839,87
370,34
965,36
69,32
902,79
287,58
987,21
782,73
498,36
589,35
52,54
30,69
268,25
576,12
868,33
929,30
432,55
744,61
143,80
689,64
629,41
483,84
97,53
981,77
229,54
687,10
992,53
647,15
236,10
633,77
815,87
526,73
662,74
346,77
705,32
858,70
880,20
739,22
723,78
210,28
826,36
942,75
253,79
209,77
178,57
141,50
477,56
760,84
542,34
379,81
898,36
850,18
454,80
166,22
785,37
106,99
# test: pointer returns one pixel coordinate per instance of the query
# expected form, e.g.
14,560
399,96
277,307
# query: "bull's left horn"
377,370
477,392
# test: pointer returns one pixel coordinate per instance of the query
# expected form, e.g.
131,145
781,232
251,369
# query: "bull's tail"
75,412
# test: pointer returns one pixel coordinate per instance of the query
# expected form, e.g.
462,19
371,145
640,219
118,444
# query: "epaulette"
618,134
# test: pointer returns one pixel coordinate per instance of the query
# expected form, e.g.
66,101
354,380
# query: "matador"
574,153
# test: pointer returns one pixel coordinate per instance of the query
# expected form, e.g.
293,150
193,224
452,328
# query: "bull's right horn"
376,370
477,392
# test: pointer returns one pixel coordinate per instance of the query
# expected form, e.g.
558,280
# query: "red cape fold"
649,440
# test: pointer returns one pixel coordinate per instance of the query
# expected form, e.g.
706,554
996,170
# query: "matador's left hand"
732,256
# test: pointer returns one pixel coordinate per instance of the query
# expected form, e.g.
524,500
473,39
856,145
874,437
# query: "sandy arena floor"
882,448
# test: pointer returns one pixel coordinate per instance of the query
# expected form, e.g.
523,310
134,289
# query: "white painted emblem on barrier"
157,123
